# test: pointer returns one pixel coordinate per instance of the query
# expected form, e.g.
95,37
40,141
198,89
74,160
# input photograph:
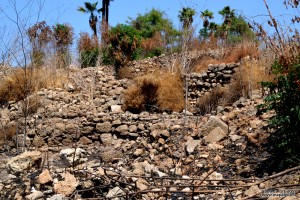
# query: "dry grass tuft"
170,93
210,100
22,83
241,50
159,92
126,72
7,133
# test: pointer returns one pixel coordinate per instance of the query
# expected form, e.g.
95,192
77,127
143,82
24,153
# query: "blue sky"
62,11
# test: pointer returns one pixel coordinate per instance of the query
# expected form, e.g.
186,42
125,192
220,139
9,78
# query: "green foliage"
155,22
88,49
89,58
234,29
40,35
284,99
63,36
91,8
186,17
124,44
239,30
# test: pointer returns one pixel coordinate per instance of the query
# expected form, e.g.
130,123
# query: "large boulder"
24,161
211,124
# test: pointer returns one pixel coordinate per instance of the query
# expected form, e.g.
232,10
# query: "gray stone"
216,135
24,161
116,109
103,127
57,197
35,195
73,156
106,138
116,191
191,145
252,191
122,129
211,124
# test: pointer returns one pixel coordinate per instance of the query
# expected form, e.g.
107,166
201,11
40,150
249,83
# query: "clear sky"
62,11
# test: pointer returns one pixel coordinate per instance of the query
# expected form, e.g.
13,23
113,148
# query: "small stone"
132,128
45,177
106,138
142,184
57,197
24,161
252,191
35,195
138,152
122,129
138,169
191,145
67,186
116,191
216,135
116,109
103,127
211,124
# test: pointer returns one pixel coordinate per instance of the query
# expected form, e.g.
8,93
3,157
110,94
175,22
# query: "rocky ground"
81,145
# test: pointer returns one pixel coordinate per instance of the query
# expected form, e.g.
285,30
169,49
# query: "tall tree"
186,17
105,17
228,15
92,9
206,15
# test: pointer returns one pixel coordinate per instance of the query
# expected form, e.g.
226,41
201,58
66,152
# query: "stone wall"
216,75
88,110
165,62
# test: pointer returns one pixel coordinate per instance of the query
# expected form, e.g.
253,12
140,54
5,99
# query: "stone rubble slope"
87,147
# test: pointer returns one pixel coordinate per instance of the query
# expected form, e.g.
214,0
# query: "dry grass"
158,92
126,72
22,83
246,79
201,63
7,133
241,50
170,93
210,100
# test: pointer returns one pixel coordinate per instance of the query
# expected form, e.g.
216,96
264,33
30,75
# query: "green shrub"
88,49
284,99
124,45
89,58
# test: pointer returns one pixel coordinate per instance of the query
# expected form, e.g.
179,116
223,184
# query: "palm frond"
81,9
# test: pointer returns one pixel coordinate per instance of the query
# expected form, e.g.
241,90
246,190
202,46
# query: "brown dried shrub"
22,83
210,101
241,50
155,92
7,133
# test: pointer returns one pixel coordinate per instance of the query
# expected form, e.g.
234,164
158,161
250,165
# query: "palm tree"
186,16
206,15
105,9
213,27
227,14
105,17
91,8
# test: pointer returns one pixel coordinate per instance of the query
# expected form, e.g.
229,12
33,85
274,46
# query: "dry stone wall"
89,109
216,75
